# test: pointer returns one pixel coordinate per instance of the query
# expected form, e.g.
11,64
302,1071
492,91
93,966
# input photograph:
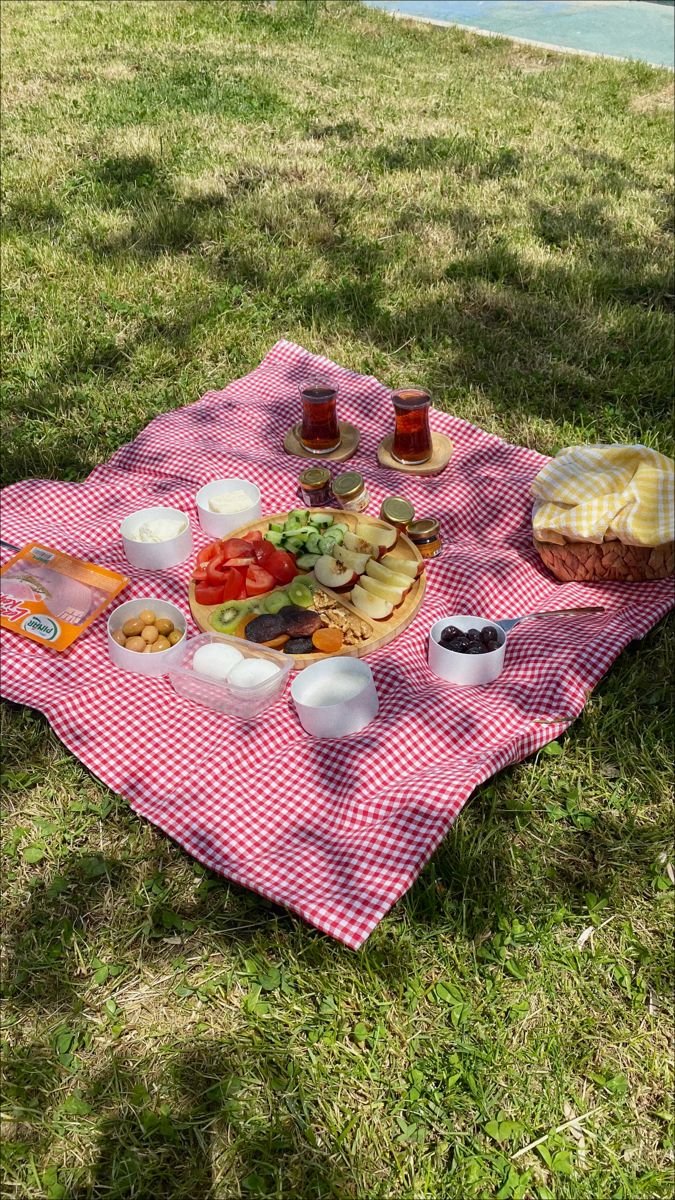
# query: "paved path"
640,29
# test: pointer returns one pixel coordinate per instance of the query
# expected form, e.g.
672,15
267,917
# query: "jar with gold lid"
426,535
315,487
351,492
397,511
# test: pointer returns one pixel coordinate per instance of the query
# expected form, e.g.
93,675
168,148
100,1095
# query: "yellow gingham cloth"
604,493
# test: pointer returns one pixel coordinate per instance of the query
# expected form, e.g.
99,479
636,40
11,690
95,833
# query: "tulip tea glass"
412,434
320,432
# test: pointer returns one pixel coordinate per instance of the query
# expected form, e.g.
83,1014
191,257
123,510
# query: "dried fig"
299,645
299,622
265,628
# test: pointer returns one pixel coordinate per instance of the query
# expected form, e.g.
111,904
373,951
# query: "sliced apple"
371,606
403,566
376,588
377,570
359,545
348,558
333,574
378,535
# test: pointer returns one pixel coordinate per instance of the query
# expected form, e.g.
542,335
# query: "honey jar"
397,511
426,535
351,492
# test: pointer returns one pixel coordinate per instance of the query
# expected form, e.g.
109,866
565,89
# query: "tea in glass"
412,434
320,432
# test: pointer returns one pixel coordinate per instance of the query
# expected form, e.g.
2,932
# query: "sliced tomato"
215,569
207,594
199,574
258,580
246,560
233,585
263,552
207,553
282,566
254,537
218,574
236,548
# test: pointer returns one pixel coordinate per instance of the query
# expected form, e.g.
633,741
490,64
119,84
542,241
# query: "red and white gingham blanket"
336,831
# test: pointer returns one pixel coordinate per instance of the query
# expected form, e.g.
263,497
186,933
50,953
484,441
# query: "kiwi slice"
226,618
298,594
277,600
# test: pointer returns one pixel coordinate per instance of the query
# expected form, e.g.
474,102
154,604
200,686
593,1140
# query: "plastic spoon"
508,624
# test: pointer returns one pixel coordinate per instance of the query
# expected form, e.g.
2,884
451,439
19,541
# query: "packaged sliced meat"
51,597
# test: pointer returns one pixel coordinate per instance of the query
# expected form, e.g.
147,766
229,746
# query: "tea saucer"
441,453
349,444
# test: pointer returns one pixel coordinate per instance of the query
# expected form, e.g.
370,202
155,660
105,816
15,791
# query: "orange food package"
52,597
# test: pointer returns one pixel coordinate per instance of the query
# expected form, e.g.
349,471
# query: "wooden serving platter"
382,633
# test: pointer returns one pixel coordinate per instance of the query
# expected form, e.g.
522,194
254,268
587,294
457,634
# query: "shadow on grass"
549,337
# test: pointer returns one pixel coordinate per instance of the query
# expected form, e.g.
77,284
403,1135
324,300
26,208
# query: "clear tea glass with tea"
412,433
320,432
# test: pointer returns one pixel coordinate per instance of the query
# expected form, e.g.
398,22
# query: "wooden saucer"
349,444
441,454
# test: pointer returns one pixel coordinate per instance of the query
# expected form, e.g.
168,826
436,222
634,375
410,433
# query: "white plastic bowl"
218,525
156,556
466,670
343,716
152,665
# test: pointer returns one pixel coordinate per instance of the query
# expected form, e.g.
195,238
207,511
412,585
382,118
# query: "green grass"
184,184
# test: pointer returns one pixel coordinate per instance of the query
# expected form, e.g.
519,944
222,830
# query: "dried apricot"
328,639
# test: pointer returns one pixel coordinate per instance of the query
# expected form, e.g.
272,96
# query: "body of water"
640,29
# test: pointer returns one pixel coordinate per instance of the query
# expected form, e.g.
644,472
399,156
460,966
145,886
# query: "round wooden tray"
383,632
349,444
441,453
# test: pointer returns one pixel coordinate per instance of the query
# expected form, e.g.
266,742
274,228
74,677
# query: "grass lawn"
184,184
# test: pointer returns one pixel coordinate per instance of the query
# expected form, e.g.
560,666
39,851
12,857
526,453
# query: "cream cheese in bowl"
156,538
158,530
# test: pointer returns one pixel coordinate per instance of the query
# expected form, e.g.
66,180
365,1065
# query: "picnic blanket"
335,830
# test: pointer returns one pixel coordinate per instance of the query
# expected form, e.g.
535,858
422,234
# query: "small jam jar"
426,535
351,492
397,511
315,487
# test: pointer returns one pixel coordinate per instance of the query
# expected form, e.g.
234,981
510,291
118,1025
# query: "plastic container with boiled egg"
229,674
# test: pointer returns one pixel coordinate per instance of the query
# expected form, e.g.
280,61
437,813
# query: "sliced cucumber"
275,536
343,528
321,520
303,532
327,542
312,544
307,561
301,515
299,593
295,545
277,528
276,600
